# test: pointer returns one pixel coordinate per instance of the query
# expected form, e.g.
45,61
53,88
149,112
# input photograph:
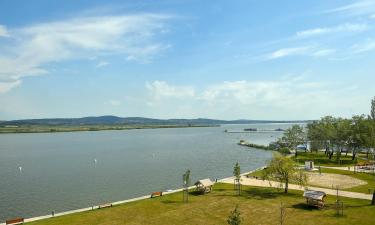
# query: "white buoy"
20,168
95,161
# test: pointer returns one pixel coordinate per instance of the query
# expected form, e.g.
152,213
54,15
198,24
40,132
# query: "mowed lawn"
257,206
320,158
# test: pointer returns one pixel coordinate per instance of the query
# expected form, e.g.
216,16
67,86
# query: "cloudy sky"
186,58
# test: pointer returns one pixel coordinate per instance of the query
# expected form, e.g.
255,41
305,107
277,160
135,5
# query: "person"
53,213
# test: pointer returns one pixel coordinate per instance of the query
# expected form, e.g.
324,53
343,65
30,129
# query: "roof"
205,182
317,195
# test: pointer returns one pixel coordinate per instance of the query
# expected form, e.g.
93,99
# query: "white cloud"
348,27
35,46
300,51
102,64
287,52
323,52
6,86
256,92
3,31
363,47
114,102
161,89
291,98
357,8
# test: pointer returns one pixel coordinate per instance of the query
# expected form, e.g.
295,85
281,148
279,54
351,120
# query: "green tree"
341,137
284,170
237,175
293,137
237,171
363,134
186,183
235,217
315,135
328,132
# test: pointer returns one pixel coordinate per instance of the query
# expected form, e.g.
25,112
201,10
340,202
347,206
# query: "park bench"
105,206
15,221
156,194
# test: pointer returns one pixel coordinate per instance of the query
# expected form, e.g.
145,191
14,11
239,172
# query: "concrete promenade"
97,207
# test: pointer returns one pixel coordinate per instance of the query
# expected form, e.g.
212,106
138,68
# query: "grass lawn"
257,206
320,158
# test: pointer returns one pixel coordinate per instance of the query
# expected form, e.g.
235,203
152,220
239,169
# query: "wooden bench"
105,206
15,221
156,194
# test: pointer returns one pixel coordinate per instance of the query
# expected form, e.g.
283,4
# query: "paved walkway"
348,168
97,207
265,183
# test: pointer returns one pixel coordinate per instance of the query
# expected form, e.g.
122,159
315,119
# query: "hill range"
114,120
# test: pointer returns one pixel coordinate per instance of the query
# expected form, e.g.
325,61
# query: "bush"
284,151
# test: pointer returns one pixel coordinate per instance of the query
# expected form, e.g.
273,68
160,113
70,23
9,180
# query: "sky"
279,60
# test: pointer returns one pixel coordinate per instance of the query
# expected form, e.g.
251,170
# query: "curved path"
349,168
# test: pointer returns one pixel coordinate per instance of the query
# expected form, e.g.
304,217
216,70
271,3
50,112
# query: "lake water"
65,171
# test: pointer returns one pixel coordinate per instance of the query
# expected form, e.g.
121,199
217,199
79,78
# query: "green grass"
320,158
257,206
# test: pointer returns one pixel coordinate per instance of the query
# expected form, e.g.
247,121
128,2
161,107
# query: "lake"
64,171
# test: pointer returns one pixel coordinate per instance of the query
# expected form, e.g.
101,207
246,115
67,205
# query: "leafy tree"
316,136
284,170
328,132
341,137
186,183
293,137
337,134
237,171
235,217
237,175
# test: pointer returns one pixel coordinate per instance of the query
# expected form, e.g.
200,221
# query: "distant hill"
114,120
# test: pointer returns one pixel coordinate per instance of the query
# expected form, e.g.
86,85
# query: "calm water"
59,171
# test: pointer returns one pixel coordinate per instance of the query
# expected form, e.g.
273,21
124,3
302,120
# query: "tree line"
334,135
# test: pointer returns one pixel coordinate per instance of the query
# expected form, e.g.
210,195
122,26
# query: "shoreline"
63,129
86,209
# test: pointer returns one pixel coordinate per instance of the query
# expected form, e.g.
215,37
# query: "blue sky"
186,59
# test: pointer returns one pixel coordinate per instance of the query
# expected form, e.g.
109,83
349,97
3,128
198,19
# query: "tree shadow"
196,193
261,193
305,206
168,201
